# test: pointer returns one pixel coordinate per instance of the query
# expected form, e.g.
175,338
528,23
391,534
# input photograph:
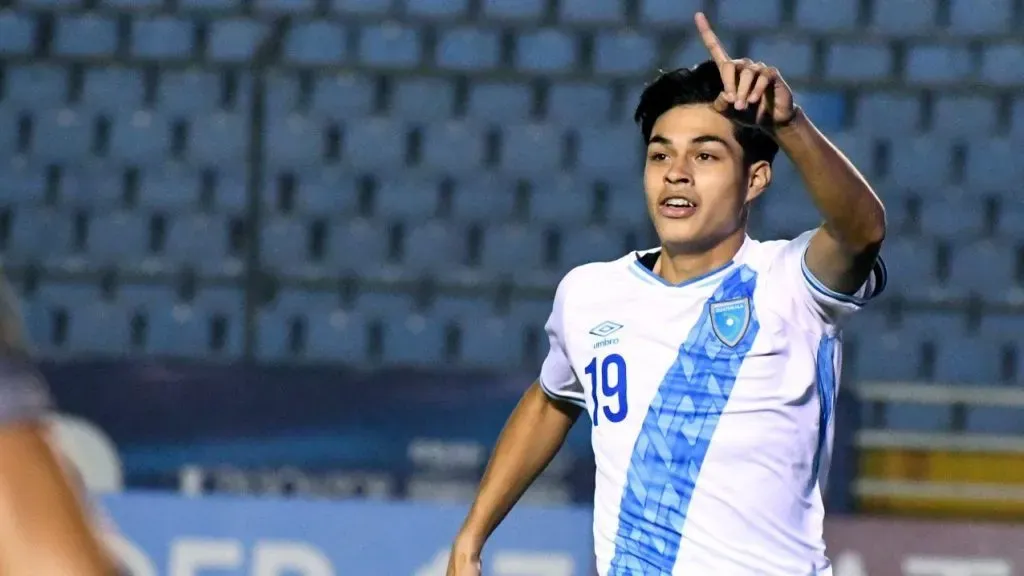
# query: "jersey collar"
648,276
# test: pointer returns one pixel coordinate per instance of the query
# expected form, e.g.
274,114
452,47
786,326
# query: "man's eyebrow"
702,139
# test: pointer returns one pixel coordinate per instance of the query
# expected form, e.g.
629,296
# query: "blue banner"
174,536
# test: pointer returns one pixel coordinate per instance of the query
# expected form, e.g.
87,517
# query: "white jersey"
711,405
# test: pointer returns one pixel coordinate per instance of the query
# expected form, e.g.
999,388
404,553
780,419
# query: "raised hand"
748,83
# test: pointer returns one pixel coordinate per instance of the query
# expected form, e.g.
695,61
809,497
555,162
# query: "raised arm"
842,253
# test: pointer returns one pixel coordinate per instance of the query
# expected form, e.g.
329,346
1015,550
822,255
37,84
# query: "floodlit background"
287,262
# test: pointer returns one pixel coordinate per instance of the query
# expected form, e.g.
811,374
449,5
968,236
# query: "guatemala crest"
730,320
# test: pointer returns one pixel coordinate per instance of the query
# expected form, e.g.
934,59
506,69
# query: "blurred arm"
532,436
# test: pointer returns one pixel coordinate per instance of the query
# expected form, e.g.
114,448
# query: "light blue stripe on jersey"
675,437
826,376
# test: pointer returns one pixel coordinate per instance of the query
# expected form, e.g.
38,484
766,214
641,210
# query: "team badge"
730,320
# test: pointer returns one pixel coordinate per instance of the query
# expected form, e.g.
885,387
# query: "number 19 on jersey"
608,388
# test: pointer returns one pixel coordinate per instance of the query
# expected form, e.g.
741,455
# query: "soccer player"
44,530
708,366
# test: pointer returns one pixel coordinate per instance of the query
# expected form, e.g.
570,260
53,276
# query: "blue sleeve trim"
879,272
561,397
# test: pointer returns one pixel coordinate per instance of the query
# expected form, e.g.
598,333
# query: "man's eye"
704,156
658,156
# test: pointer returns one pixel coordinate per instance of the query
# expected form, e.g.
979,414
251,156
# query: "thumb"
721,104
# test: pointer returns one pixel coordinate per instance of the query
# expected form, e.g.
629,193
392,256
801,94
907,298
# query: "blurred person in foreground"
707,366
44,527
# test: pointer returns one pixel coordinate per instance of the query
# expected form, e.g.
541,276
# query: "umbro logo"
605,329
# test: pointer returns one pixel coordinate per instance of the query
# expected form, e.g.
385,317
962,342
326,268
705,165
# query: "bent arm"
532,436
842,253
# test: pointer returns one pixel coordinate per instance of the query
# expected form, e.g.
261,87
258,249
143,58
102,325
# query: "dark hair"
698,85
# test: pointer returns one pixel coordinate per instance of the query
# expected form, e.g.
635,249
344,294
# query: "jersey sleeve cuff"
574,399
872,287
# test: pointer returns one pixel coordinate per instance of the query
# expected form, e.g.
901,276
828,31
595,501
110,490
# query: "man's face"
695,179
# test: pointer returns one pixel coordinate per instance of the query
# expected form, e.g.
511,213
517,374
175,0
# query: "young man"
708,367
43,527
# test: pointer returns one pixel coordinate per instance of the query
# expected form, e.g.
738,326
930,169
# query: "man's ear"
759,178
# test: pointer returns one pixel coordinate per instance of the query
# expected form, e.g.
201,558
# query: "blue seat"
9,140
230,190
669,13
282,93
290,305
447,9
59,299
985,268
591,11
284,246
938,63
434,248
235,39
627,205
61,135
315,43
170,187
858,61
326,193
38,235
374,143
915,261
489,342
920,162
140,137
50,3
22,183
530,311
943,216
110,90
422,98
511,249
187,92
385,305
98,187
117,239
545,50
910,417
610,150
201,242
357,246
293,141
797,53
990,17
530,149
85,35
575,103
1011,217
211,5
198,325
905,17
482,197
469,49
406,196
995,420
822,17
162,38
390,46
462,308
592,244
887,113
282,7
828,108
414,341
220,139
338,337
453,147
1000,64
502,102
624,53
744,14
17,33
35,87
367,7
145,299
561,199
99,329
967,360
888,357
993,163
691,51
1017,118
513,9
786,211
343,96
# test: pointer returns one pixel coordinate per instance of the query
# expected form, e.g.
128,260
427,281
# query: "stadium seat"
499,102
624,53
797,53
692,51
984,268
489,342
545,50
282,96
374,143
341,336
744,14
187,92
468,49
434,248
111,90
390,46
140,137
995,420
212,5
561,200
920,162
284,246
999,64
322,193
38,235
610,150
858,61
967,360
367,7
911,417
905,17
422,99
21,184
409,196
591,11
987,17
453,147
415,341
117,239
530,149
343,96
294,141
62,135
34,87
87,35
385,305
285,7
99,329
993,163
578,103
591,244
627,205
511,249
513,9
94,187
162,38
210,327
938,64
10,141
275,318
202,242
462,307
916,262
437,9
235,39
317,43
356,246
887,113
170,187
220,139
813,15
17,34
482,198
943,215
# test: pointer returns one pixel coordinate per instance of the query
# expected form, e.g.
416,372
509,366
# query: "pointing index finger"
711,42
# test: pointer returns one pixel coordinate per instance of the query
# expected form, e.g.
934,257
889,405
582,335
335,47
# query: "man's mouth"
677,207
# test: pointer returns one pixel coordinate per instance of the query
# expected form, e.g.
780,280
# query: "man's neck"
677,266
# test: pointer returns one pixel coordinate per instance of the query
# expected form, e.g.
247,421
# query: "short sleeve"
826,305
557,378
